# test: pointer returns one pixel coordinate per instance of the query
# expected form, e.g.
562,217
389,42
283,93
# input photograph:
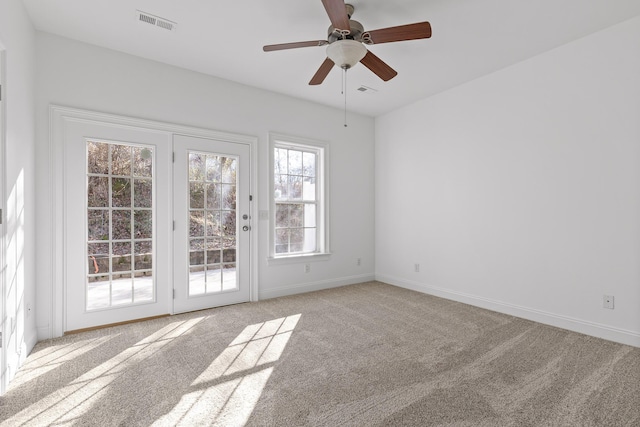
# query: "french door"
211,183
154,223
117,224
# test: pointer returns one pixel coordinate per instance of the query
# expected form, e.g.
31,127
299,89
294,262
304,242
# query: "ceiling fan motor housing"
357,30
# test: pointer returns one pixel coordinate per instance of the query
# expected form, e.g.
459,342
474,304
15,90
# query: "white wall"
78,75
17,39
520,191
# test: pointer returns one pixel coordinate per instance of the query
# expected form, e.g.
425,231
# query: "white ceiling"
471,38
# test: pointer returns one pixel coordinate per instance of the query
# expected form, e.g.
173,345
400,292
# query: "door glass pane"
212,223
120,225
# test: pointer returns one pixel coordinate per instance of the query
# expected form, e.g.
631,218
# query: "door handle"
246,228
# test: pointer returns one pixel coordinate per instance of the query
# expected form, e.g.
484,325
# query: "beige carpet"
361,355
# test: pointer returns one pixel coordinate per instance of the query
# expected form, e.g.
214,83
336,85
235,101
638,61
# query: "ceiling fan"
347,39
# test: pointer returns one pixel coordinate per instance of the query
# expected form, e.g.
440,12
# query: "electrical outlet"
416,268
359,261
307,268
607,301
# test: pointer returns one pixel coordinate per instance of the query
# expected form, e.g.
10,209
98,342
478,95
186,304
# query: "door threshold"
95,328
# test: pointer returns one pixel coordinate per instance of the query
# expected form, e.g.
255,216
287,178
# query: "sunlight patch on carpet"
229,389
79,396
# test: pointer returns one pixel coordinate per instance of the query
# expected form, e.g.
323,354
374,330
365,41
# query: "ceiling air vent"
368,89
155,20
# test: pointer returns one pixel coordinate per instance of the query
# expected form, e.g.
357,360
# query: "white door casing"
62,120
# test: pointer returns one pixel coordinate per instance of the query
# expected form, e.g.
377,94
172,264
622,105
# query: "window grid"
212,219
125,256
297,202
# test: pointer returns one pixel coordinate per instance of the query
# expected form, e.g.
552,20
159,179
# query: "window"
299,206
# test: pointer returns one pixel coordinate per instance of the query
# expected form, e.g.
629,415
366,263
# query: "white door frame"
59,117
3,231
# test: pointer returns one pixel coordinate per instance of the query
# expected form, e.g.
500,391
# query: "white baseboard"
565,322
31,342
284,291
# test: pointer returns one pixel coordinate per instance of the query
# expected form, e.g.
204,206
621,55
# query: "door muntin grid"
212,223
120,225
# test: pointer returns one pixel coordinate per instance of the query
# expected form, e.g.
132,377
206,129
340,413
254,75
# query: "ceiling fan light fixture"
346,53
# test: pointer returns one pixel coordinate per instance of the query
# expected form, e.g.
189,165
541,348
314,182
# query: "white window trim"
323,254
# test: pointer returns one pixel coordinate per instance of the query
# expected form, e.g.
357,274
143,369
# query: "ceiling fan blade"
378,66
322,72
337,11
419,30
282,46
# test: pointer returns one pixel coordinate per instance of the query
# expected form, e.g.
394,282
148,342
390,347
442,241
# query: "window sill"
298,259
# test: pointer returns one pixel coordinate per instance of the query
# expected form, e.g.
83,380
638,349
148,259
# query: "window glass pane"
120,192
121,225
213,256
296,239
143,257
295,187
120,160
309,164
309,188
280,162
282,241
97,158
196,195
296,216
142,162
143,224
309,215
282,215
310,235
98,224
213,169
98,292
142,193
197,284
214,278
213,196
121,289
196,244
228,196
98,257
196,224
213,227
196,166
121,256
281,184
228,170
229,255
196,258
142,287
229,224
98,192
295,162
229,277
